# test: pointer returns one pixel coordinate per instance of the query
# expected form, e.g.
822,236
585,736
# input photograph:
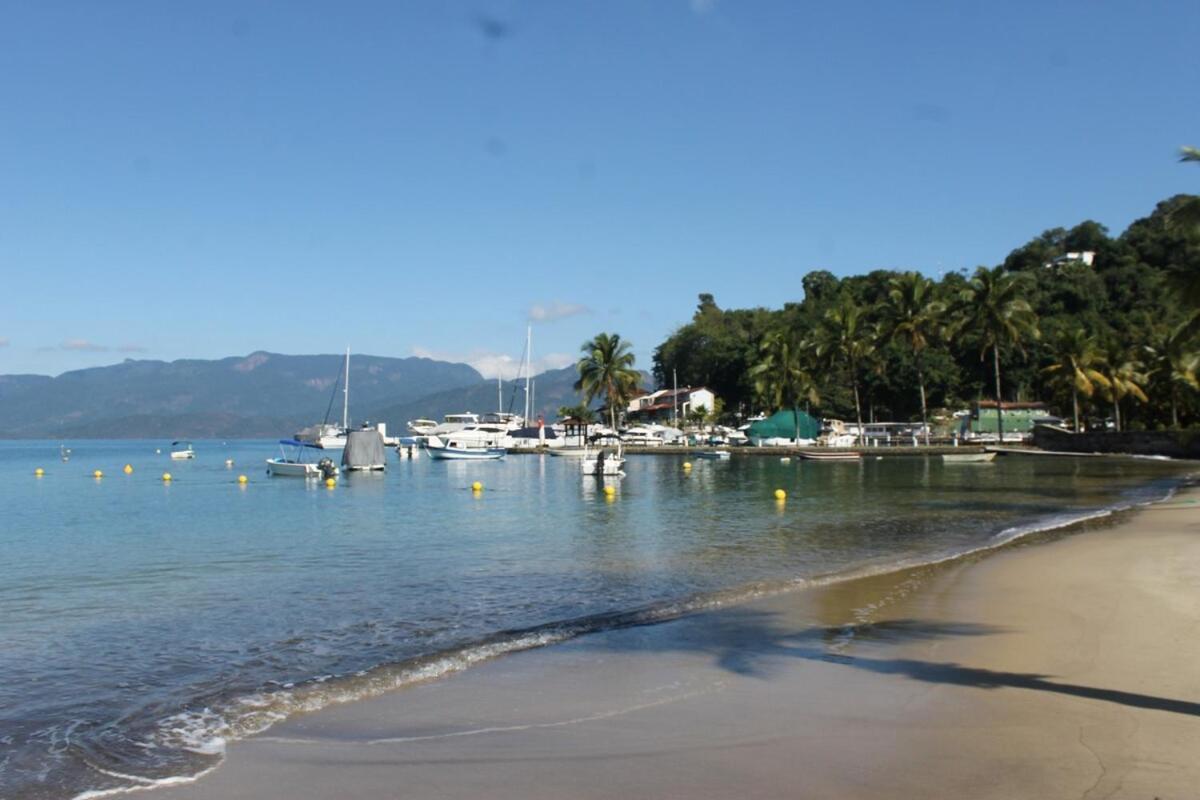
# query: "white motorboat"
968,458
456,449
182,450
603,461
715,455
422,427
641,436
296,466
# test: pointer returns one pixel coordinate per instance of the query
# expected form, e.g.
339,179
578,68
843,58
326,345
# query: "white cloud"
493,365
555,311
83,345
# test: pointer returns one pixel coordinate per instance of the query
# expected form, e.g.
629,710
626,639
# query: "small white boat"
841,456
716,455
64,452
296,466
604,461
967,458
182,450
452,449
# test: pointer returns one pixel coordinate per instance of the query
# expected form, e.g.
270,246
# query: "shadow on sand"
749,642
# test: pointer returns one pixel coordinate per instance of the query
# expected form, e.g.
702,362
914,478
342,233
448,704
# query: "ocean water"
145,625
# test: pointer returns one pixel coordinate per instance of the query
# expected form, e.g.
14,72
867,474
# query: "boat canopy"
298,443
364,449
181,441
782,425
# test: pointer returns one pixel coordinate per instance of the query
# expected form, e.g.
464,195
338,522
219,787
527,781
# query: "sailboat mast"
528,367
499,394
346,395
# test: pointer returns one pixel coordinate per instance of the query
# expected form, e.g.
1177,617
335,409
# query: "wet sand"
1067,668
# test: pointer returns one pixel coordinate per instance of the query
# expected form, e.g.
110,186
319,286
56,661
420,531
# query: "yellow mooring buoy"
780,494
330,483
166,477
243,479
39,472
128,469
97,474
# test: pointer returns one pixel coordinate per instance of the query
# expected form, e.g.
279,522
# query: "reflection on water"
127,601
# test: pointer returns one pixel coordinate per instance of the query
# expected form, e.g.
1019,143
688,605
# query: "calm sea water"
143,625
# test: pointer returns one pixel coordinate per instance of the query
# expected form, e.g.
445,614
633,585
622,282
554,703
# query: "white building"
665,403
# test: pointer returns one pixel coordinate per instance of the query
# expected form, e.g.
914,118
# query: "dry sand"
1068,668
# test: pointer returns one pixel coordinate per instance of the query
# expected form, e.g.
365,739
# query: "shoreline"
920,652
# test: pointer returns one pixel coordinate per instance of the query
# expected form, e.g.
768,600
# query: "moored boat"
849,455
715,455
967,458
453,449
296,466
603,461
182,450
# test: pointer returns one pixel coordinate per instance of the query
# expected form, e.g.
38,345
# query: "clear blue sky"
208,179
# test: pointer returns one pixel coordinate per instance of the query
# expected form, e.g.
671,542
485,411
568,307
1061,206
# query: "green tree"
781,376
580,412
1122,368
993,310
845,336
913,313
607,368
1173,363
1077,363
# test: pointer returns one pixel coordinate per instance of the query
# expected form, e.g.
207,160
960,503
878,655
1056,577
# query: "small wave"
208,731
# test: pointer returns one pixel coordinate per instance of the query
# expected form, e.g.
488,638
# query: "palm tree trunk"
1117,411
612,410
924,413
1174,410
1075,407
999,415
796,419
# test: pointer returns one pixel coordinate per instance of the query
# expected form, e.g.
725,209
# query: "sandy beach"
1060,668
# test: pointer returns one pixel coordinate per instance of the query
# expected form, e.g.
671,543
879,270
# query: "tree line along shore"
1105,329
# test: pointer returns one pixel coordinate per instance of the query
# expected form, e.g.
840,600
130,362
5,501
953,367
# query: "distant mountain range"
259,395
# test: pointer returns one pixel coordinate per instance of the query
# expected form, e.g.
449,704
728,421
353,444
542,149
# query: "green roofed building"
780,428
1019,418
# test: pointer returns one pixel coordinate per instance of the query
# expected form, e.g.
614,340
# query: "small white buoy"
785,460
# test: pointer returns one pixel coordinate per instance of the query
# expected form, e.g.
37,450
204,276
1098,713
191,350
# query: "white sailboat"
328,436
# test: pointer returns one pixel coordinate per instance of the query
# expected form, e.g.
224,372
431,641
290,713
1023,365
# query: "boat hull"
467,453
181,455
831,456
968,458
291,469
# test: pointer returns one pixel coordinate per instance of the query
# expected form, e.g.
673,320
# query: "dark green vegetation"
1118,339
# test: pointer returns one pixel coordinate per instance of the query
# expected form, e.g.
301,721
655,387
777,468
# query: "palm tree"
993,310
781,376
1077,363
1123,369
913,314
607,368
845,335
1174,361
